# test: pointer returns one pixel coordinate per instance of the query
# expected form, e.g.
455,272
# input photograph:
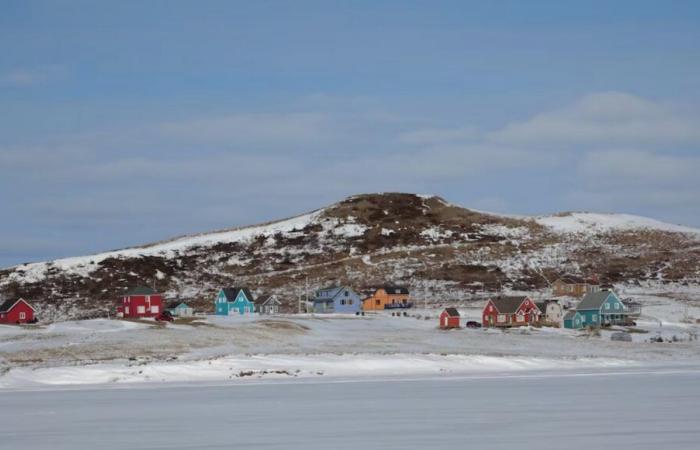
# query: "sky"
127,122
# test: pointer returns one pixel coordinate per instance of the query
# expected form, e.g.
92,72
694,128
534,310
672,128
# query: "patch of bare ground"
284,325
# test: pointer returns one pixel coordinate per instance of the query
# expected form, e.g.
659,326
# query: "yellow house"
387,297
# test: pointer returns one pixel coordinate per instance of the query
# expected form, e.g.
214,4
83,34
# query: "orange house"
387,297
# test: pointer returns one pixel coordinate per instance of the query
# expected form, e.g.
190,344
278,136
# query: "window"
520,318
126,310
617,306
22,316
350,302
607,306
342,302
347,293
154,309
501,318
378,302
141,309
594,318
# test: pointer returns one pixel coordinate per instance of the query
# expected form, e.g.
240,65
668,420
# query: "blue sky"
130,122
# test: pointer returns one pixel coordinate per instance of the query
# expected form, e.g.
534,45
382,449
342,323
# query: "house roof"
508,305
542,306
394,289
570,314
140,290
232,292
332,291
452,312
593,300
265,299
174,304
8,304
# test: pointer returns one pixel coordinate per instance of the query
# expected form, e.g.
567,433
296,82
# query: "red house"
449,318
510,312
16,311
141,302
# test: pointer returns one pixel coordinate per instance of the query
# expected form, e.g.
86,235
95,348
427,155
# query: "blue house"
338,299
179,309
234,300
600,309
573,320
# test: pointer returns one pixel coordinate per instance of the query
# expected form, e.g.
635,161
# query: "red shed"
16,311
449,318
510,312
141,302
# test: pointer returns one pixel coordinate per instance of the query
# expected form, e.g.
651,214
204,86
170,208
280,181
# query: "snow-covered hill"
440,250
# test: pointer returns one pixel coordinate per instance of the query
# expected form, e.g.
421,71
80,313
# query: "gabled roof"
452,312
332,292
593,300
570,314
542,306
9,304
232,292
268,299
508,305
395,290
140,290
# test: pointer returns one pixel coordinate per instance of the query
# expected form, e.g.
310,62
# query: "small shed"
179,309
449,318
573,320
268,304
16,311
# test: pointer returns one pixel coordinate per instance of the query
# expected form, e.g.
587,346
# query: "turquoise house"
234,300
599,309
179,309
573,320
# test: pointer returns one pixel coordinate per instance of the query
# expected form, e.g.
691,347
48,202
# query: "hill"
441,251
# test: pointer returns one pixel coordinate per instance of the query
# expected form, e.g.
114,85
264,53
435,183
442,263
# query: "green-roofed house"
601,308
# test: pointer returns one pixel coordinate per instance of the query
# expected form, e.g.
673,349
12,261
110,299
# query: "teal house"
234,300
573,320
598,309
179,309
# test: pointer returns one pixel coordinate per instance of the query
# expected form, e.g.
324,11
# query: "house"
337,299
179,309
387,297
234,300
552,312
510,312
268,304
141,302
573,286
16,311
633,309
602,308
573,320
449,318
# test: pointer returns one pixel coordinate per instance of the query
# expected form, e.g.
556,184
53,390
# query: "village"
575,303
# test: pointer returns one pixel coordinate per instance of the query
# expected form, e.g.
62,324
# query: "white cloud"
608,118
638,167
438,135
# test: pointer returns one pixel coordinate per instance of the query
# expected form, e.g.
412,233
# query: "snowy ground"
620,409
239,349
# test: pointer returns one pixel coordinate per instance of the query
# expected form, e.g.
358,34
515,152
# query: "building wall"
21,313
380,298
142,305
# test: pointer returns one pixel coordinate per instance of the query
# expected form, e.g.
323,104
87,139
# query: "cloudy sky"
138,121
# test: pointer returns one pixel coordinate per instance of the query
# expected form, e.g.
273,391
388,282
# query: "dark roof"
7,304
542,306
232,292
395,289
593,300
174,304
140,290
570,314
508,305
263,299
452,312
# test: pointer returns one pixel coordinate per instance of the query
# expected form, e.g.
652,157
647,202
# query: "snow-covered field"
240,349
618,409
